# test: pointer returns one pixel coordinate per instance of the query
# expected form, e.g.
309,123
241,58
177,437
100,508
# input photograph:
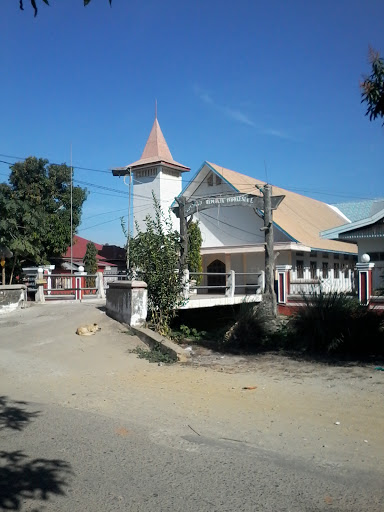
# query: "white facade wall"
233,225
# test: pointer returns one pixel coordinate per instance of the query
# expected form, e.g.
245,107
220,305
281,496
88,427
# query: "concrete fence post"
365,282
283,283
40,281
127,302
231,284
100,285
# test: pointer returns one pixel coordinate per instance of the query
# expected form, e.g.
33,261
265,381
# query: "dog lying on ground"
87,330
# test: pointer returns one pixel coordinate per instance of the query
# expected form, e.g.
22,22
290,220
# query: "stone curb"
152,339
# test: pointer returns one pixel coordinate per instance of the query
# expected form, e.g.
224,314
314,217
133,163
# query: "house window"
336,256
314,254
325,269
300,269
312,269
299,253
325,255
210,180
219,181
336,270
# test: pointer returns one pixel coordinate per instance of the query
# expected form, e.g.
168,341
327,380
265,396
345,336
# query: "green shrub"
336,323
251,333
155,355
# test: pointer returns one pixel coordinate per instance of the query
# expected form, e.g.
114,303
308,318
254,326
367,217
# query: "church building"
232,236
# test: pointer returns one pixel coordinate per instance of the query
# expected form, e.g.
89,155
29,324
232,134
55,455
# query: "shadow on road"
14,415
21,477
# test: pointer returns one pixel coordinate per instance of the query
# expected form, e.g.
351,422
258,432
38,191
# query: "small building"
365,228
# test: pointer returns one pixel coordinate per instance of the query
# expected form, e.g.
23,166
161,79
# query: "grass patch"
154,355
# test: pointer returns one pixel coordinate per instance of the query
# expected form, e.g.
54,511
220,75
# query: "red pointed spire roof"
156,145
157,151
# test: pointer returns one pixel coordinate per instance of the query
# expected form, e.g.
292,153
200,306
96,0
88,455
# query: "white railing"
344,282
227,283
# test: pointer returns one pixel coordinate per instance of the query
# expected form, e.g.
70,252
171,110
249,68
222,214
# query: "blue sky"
243,84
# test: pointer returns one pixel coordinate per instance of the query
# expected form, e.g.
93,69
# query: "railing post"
100,285
185,281
261,281
231,284
283,283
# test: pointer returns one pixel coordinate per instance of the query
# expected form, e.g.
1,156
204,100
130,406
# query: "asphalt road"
62,450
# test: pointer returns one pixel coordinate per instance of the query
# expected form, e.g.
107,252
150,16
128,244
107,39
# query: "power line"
233,183
99,224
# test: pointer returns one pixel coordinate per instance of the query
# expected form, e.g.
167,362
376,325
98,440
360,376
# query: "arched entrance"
216,266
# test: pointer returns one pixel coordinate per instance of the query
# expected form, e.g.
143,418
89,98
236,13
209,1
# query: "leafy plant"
336,323
372,88
251,332
90,264
35,211
195,262
187,333
154,257
34,5
155,355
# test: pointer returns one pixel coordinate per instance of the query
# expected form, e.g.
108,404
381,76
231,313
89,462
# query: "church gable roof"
301,217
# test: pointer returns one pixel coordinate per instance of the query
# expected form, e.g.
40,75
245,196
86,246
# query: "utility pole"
129,217
183,234
269,257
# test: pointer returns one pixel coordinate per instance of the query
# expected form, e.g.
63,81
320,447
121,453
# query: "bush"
336,323
252,331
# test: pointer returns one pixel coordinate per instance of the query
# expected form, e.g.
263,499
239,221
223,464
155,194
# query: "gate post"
365,281
283,283
80,283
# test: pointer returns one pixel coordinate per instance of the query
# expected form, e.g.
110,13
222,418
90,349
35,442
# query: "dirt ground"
331,414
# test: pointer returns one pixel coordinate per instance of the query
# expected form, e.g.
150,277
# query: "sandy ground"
332,415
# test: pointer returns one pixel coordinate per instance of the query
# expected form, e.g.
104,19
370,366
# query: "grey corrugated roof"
357,210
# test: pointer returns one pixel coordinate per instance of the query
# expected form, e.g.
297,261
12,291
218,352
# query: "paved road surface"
80,430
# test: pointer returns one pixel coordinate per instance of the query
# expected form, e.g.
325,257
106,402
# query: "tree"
195,263
90,261
35,211
154,254
90,264
372,88
34,5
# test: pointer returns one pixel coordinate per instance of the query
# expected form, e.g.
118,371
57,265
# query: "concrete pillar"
185,284
365,282
127,302
231,283
261,282
283,283
79,282
40,282
100,285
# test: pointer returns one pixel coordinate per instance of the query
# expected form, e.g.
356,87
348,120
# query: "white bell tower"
155,173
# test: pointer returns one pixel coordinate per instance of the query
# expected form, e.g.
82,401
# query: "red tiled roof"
79,248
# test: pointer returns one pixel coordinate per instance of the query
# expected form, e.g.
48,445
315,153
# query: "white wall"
233,225
165,186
